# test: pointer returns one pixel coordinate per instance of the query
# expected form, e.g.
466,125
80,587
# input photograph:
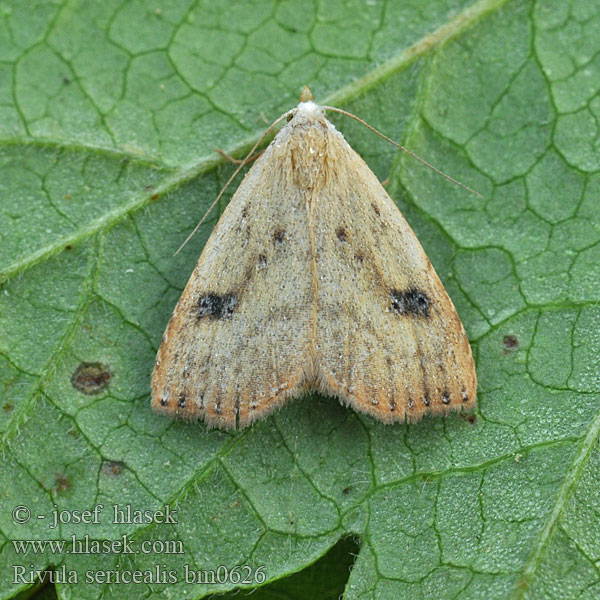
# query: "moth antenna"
242,164
235,161
387,139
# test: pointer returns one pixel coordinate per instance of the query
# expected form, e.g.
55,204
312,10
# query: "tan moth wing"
238,342
390,341
312,279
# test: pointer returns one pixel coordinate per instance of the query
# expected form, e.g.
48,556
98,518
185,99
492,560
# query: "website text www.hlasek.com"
126,545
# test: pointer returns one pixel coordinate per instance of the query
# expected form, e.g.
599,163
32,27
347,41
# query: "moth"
312,280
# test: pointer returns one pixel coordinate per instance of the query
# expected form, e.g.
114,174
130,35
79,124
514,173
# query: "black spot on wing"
342,234
216,306
410,302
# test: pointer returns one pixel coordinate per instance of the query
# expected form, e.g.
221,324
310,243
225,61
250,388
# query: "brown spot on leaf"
510,342
61,484
8,406
112,468
90,378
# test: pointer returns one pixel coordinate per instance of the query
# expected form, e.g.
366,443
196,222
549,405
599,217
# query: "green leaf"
109,116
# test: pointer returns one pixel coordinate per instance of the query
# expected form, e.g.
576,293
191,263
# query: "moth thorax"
310,156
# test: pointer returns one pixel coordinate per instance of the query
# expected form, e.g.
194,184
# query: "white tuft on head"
309,109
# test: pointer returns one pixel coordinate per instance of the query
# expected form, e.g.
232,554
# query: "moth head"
306,112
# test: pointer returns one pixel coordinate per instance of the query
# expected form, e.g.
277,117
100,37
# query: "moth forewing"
312,280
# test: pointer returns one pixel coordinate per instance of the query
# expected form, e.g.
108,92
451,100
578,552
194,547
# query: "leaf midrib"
562,498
